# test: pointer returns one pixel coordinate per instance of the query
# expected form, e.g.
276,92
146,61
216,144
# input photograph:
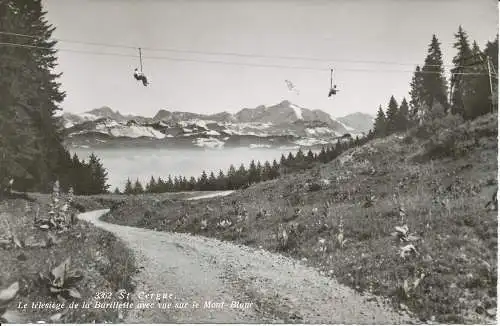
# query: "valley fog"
142,163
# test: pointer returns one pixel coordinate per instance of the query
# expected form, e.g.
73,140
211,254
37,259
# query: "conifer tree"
31,147
160,185
283,159
192,183
242,176
403,120
231,178
151,186
212,181
310,156
176,186
259,172
129,189
434,81
478,101
322,155
203,181
300,157
184,184
275,171
138,188
380,124
221,183
169,184
252,173
460,85
416,96
98,176
392,116
266,171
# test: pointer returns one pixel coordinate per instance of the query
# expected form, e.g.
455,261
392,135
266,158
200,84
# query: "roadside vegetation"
48,256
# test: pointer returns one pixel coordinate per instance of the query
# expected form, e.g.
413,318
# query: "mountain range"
282,124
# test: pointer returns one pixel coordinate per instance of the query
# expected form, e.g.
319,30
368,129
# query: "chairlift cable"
226,53
231,63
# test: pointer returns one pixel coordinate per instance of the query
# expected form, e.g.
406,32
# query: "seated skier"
333,91
140,76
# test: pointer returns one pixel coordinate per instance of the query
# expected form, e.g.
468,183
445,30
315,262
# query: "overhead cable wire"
246,55
227,62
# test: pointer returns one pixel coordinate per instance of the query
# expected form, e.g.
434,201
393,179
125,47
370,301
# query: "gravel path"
268,287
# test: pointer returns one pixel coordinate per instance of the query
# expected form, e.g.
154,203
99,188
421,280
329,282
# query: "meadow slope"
340,216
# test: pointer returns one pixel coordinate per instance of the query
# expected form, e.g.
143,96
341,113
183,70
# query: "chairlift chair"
139,75
333,88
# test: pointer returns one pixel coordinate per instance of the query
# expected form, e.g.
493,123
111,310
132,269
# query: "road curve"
269,288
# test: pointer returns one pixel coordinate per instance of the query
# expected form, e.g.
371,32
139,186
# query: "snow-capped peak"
298,111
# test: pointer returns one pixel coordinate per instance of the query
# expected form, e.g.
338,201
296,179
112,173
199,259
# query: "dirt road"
235,284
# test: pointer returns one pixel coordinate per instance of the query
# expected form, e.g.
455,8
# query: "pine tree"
252,173
212,181
300,157
275,171
221,183
282,159
192,183
241,176
138,188
176,187
231,177
336,151
416,96
203,181
51,160
460,85
266,171
160,185
151,186
478,100
169,184
117,191
310,156
392,116
129,189
259,172
98,176
434,81
322,155
184,184
31,149
403,121
380,124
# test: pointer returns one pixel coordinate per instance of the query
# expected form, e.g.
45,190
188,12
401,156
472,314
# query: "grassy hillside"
340,217
104,262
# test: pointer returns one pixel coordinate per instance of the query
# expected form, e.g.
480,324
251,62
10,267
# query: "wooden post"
491,84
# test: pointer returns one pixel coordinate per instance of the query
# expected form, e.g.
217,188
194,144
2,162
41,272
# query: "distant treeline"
245,176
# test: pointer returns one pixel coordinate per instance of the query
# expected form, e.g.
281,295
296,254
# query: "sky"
373,46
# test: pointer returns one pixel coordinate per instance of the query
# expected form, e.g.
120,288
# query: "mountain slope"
283,124
359,121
